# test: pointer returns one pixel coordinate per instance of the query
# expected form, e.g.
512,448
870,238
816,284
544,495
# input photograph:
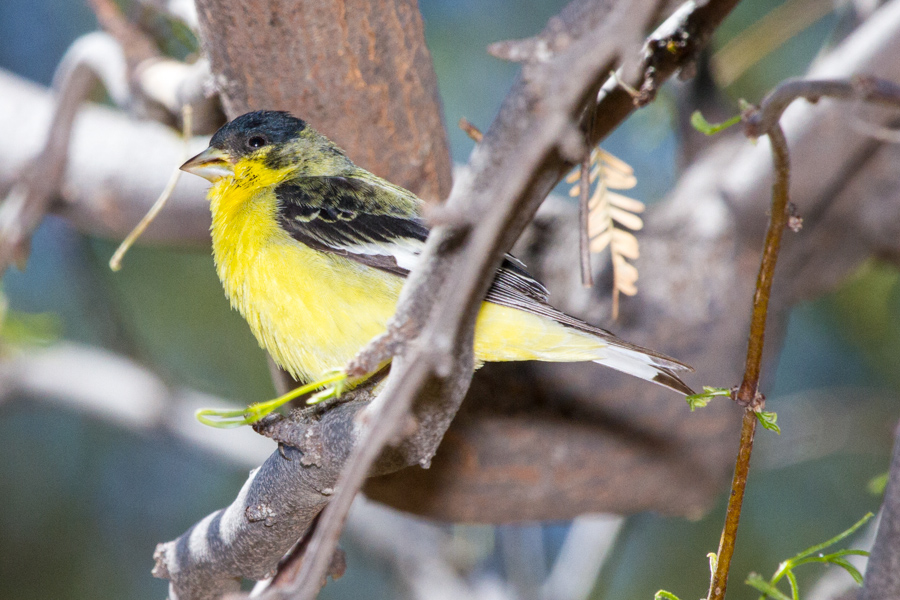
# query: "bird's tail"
645,364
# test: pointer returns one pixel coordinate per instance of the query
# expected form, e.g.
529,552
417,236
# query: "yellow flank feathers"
313,251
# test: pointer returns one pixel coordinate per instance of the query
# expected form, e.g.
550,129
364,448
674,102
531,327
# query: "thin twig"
674,45
748,393
733,513
778,220
765,121
115,263
862,88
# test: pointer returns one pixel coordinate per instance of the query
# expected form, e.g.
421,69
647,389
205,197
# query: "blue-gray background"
82,504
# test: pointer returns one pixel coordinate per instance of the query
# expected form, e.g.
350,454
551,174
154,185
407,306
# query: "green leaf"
768,420
664,595
795,589
702,399
756,581
878,484
854,572
849,552
819,547
699,122
696,401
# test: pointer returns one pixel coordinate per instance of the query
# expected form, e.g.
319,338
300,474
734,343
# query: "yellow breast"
311,310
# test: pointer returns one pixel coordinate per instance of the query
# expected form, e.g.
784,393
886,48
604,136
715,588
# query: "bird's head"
266,147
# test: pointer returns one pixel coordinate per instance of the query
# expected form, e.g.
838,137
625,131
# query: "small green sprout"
21,329
810,555
699,122
769,420
700,400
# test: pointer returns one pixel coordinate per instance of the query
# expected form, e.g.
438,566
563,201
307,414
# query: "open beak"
212,164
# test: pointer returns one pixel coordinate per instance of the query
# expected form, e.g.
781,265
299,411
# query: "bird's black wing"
373,225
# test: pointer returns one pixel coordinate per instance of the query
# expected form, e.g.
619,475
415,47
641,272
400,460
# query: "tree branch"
117,166
673,46
24,206
882,578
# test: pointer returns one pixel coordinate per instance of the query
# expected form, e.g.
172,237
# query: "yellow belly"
314,311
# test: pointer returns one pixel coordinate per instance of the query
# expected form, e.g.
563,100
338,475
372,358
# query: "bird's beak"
212,164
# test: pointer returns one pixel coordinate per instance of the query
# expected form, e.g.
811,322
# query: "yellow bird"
313,250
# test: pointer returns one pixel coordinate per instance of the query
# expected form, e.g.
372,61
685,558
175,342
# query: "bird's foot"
334,382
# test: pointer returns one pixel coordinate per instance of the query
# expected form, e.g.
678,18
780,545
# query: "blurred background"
83,502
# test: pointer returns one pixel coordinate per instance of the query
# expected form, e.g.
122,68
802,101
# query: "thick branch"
673,46
703,223
26,203
693,304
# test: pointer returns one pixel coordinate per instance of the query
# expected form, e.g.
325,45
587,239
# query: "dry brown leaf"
611,217
626,244
626,219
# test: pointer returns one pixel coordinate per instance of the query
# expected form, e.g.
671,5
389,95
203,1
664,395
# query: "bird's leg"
340,383
332,382
332,392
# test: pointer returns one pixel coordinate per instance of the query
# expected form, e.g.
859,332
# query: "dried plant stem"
584,215
115,263
748,394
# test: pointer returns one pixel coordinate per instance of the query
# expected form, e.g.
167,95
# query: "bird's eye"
257,141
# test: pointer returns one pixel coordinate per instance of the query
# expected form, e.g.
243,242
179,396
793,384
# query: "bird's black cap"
255,129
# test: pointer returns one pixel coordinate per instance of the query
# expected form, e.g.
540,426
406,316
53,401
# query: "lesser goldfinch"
313,250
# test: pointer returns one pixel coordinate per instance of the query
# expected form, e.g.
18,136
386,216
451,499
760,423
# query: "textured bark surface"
358,71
